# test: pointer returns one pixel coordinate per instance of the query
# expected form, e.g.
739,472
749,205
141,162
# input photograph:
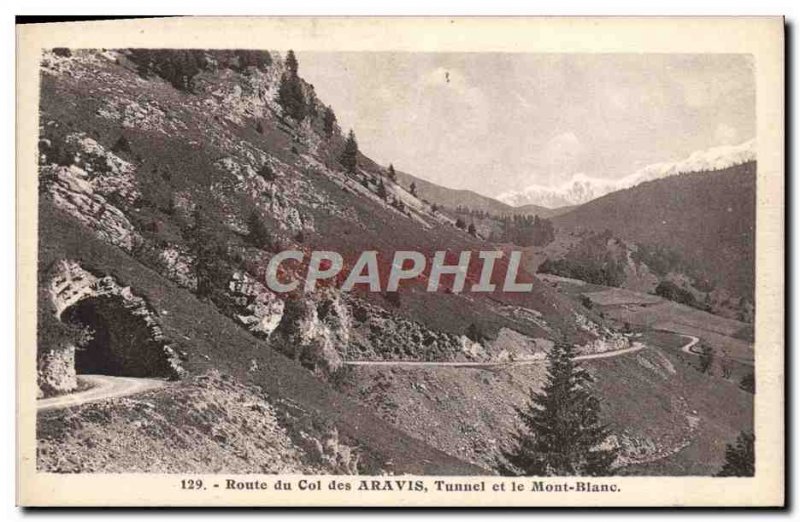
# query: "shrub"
671,291
258,233
121,145
748,383
266,172
706,358
475,333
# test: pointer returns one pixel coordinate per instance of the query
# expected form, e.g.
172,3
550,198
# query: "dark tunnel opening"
119,341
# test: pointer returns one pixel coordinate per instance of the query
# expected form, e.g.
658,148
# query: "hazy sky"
495,122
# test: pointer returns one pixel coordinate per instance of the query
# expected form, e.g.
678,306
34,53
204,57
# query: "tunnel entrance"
120,342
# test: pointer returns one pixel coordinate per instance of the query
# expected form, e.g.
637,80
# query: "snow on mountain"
582,188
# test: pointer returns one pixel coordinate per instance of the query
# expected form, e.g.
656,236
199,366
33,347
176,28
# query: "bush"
475,333
671,291
121,145
258,233
748,383
266,172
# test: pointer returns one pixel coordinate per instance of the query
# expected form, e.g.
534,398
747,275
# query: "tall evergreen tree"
740,457
290,91
706,358
382,190
291,63
392,173
349,157
209,247
562,434
413,189
328,121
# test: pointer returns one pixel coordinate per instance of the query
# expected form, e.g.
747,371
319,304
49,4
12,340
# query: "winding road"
109,387
102,387
692,342
493,364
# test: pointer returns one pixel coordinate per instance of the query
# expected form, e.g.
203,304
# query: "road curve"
493,364
102,387
688,346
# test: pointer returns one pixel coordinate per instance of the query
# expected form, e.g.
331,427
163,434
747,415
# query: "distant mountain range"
452,198
581,188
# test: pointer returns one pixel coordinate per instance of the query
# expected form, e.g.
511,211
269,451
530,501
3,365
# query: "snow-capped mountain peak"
582,188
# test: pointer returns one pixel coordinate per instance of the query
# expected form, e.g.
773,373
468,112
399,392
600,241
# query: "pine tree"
472,230
349,157
290,91
291,98
209,247
291,63
328,121
382,190
740,457
706,358
562,434
392,173
413,189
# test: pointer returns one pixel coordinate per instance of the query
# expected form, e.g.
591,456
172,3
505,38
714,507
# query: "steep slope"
702,223
169,179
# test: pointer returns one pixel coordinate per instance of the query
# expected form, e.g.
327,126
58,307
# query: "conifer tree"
290,91
291,63
740,457
413,189
258,233
382,190
328,121
562,434
392,173
349,157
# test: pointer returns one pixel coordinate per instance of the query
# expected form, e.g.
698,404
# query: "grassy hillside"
701,224
167,183
210,342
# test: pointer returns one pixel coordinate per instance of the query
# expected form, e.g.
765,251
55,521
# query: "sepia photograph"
407,273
